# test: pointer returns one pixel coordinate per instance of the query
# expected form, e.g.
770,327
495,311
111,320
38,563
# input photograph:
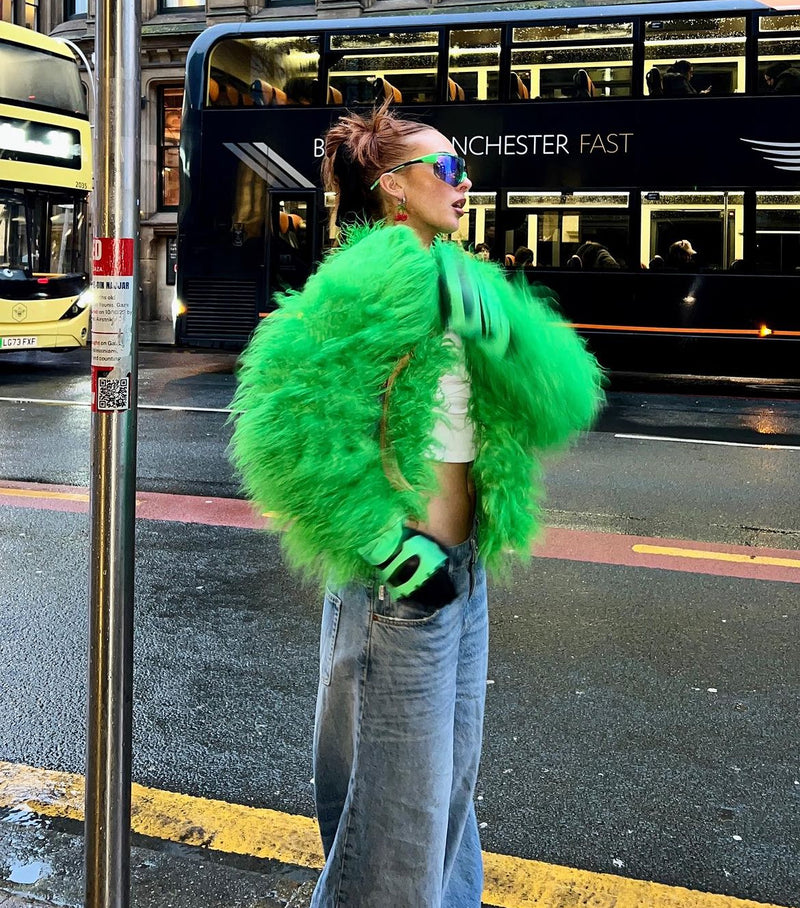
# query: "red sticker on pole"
113,311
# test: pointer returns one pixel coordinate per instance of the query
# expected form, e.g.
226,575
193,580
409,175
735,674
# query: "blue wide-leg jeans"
397,744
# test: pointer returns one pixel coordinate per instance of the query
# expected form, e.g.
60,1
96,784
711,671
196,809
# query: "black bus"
648,156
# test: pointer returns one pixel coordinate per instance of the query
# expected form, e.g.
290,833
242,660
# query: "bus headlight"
178,308
84,300
79,304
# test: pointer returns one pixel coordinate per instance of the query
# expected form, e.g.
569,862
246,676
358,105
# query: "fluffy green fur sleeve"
545,390
309,400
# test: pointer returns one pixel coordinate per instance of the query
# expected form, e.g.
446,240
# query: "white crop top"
454,433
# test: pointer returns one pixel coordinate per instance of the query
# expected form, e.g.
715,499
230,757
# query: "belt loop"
472,559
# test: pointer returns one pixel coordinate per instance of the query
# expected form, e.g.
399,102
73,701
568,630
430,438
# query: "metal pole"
113,452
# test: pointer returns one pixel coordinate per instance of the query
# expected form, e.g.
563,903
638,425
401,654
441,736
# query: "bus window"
779,55
478,224
44,80
399,66
290,247
714,48
67,255
778,232
572,61
474,65
42,234
712,223
248,218
263,72
14,253
559,227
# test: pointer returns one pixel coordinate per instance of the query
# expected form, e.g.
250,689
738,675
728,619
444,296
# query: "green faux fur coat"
309,404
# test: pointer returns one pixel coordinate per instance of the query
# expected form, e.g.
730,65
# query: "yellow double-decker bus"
45,179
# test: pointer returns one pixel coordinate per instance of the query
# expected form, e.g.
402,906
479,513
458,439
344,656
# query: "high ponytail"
358,149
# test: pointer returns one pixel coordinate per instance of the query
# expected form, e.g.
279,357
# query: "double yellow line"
510,882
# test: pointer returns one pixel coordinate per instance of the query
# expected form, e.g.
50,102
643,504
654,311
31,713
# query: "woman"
392,413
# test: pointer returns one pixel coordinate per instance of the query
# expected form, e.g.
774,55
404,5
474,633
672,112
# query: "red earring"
401,214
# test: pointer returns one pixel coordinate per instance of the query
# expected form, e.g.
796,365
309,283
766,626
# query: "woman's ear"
391,186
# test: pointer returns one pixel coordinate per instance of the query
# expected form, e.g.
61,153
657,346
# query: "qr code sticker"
113,393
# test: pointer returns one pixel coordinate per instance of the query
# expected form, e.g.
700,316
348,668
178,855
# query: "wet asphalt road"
639,722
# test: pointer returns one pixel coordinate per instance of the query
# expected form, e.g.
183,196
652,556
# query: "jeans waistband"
464,554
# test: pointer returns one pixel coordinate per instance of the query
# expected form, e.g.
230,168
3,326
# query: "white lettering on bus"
535,143
551,143
592,143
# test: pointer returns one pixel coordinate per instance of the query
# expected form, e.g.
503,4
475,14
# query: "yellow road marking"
510,882
34,493
716,556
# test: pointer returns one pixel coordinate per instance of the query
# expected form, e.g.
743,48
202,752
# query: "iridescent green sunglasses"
449,168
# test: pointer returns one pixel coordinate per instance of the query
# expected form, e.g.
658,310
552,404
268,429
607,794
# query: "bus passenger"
482,252
677,82
595,256
582,85
783,78
300,90
523,257
681,256
393,414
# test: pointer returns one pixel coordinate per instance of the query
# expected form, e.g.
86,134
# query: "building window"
6,10
32,14
169,105
74,9
178,6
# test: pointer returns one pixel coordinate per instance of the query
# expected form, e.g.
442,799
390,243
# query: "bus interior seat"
657,263
574,263
220,94
584,87
385,90
519,89
334,95
288,226
287,222
454,91
655,83
266,95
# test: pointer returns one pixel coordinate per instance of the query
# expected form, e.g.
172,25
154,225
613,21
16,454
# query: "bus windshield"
41,234
35,78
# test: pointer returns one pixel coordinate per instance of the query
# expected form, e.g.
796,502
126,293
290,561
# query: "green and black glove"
412,566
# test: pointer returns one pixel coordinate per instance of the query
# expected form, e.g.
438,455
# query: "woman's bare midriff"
451,511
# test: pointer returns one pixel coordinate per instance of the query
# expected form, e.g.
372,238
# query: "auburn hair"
358,149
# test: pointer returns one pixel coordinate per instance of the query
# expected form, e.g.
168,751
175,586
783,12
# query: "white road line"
86,403
227,410
708,441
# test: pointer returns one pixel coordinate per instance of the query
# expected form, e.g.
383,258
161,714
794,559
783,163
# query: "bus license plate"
10,343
